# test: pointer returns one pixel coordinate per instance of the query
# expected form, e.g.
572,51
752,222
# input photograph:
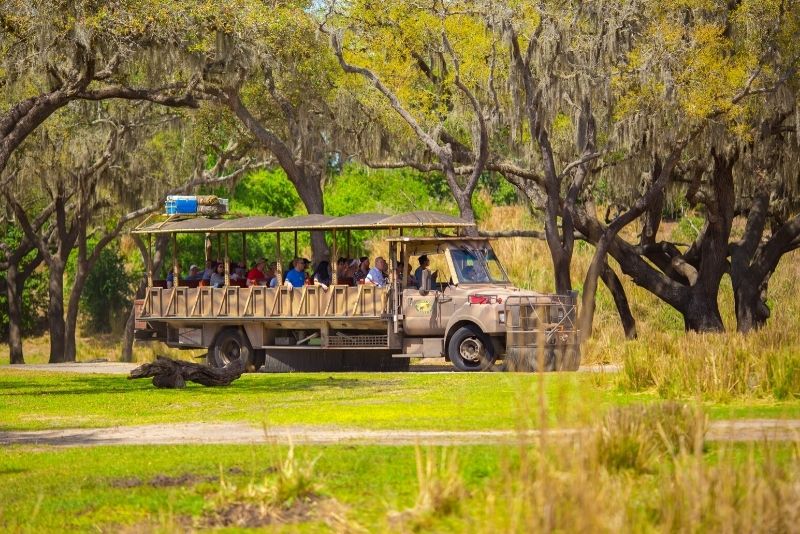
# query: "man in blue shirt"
375,275
297,276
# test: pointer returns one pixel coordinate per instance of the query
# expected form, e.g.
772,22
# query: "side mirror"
425,286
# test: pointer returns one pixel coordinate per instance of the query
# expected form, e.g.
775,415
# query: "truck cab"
464,307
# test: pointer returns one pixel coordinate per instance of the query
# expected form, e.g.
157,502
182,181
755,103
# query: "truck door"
427,314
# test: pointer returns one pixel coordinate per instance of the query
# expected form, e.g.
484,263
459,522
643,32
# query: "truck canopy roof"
267,223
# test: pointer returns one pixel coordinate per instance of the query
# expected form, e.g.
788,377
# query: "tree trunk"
310,191
614,285
702,311
162,241
73,305
14,297
55,312
750,300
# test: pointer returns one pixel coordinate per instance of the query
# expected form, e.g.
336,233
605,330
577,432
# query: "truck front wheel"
230,344
470,349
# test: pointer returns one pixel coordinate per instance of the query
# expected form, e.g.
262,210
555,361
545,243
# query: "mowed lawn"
446,401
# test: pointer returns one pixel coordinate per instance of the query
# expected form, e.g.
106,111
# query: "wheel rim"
472,351
230,350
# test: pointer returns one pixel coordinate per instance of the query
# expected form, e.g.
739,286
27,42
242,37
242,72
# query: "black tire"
527,359
231,344
469,349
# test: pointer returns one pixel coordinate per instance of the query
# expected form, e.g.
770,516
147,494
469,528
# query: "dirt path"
238,433
121,368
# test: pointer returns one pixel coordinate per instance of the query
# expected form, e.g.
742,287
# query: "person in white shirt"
375,275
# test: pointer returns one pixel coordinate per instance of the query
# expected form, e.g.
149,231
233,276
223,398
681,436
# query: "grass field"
362,400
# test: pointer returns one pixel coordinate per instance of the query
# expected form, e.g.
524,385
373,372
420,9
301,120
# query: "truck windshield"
475,266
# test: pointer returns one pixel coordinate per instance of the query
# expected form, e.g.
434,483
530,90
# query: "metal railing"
534,319
264,302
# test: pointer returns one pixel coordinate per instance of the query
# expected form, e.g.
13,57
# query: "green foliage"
34,306
359,189
107,293
264,192
499,189
34,294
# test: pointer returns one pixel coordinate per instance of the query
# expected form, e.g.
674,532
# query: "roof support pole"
149,260
349,252
334,258
295,243
219,246
244,249
227,263
176,271
393,279
278,263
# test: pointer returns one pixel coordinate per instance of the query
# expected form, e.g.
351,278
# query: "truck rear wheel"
469,349
230,344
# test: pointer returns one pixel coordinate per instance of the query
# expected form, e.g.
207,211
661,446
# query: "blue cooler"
181,205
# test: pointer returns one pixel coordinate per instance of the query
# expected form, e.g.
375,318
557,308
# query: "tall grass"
640,470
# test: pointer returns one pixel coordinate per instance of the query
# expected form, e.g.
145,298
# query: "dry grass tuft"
640,437
288,494
441,490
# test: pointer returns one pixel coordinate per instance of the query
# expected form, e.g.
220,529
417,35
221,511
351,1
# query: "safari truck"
462,307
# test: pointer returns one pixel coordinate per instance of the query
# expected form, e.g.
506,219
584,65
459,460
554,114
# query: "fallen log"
168,373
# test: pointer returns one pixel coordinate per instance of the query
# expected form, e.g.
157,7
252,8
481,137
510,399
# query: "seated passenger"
240,270
361,273
424,263
297,276
256,276
322,274
171,277
218,278
194,274
341,268
376,275
404,274
209,270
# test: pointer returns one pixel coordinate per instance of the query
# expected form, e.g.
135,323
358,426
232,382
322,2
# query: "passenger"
256,276
404,274
322,275
218,278
209,270
306,269
296,277
272,274
424,263
352,267
171,277
361,273
341,268
376,275
194,274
